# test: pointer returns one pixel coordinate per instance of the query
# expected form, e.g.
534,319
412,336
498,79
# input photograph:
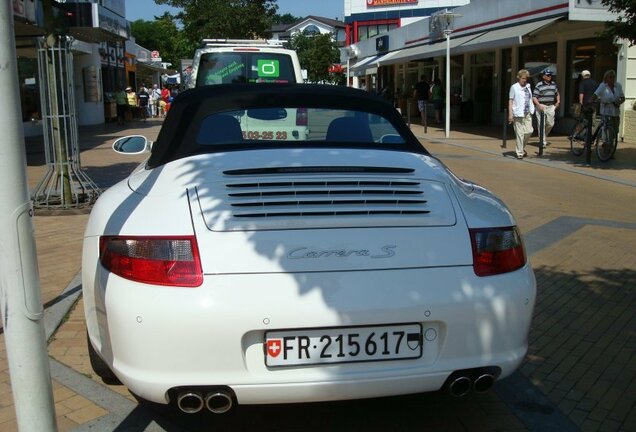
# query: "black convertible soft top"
192,106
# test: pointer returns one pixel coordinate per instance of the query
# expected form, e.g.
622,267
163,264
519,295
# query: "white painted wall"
88,113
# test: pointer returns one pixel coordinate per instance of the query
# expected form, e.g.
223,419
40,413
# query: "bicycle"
604,137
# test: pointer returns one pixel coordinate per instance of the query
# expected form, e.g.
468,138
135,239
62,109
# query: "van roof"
242,42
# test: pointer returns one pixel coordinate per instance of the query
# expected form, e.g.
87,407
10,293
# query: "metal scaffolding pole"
20,301
64,185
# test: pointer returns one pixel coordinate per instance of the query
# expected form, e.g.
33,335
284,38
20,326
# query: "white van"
225,61
228,61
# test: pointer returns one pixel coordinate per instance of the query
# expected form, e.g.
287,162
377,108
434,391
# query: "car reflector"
172,261
301,117
497,250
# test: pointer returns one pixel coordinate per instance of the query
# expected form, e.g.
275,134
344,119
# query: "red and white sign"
375,3
154,54
274,347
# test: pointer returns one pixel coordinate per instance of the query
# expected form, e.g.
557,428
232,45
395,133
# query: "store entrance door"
482,78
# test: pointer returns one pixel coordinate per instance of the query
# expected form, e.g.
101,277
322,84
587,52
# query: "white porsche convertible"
235,268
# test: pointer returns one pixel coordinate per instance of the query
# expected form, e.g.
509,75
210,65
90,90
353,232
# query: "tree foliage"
625,25
285,19
234,19
163,35
316,54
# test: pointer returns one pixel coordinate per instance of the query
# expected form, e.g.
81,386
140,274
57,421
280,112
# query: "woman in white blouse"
520,110
610,94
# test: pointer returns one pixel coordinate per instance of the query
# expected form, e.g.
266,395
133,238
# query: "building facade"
310,25
490,41
104,57
366,19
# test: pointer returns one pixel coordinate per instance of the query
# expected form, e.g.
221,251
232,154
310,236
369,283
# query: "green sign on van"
268,68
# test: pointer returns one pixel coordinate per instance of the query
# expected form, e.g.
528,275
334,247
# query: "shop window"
536,58
29,89
595,55
362,33
508,76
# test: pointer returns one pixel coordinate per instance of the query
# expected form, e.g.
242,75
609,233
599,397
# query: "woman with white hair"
610,94
520,110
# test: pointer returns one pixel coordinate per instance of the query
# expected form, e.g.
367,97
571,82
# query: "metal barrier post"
541,132
505,129
408,113
588,138
425,117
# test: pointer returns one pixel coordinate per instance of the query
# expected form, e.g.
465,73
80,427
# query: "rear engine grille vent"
277,199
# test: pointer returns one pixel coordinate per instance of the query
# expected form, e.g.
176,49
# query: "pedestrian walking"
143,99
121,101
155,97
587,87
164,104
131,97
437,96
610,94
421,93
546,99
520,110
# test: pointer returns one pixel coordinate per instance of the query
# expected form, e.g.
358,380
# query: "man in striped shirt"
547,99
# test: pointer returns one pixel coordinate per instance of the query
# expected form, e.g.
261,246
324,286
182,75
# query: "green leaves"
316,54
625,25
234,19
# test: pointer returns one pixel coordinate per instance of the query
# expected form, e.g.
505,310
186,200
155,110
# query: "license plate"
343,345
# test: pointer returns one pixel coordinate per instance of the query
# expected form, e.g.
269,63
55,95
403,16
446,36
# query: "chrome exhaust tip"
218,402
460,386
190,402
483,383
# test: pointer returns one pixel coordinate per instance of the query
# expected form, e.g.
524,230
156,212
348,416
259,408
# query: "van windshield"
245,67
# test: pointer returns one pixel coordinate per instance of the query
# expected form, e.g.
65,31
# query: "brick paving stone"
598,414
590,425
578,416
567,406
86,414
609,426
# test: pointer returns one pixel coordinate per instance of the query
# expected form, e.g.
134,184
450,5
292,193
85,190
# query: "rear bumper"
157,338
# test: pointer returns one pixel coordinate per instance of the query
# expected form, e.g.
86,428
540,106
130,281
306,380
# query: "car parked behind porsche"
233,268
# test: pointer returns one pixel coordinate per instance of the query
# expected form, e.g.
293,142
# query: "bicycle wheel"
605,143
577,137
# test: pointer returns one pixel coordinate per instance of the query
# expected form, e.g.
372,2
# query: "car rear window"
245,67
343,127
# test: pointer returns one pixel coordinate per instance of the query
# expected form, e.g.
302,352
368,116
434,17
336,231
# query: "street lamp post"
447,33
448,17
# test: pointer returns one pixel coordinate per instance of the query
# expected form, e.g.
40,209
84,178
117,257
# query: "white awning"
504,37
424,51
499,38
365,62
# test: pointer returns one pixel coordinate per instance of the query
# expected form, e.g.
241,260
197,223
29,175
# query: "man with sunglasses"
546,99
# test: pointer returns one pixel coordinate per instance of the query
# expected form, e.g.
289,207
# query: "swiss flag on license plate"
274,347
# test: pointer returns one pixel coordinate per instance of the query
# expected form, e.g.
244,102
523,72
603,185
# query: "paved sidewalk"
577,386
59,244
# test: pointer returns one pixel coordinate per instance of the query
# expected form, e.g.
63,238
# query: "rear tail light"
172,261
497,250
301,117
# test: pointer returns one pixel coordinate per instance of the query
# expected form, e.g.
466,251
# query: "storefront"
489,45
98,30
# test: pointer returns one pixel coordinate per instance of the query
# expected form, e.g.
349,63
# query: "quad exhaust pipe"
190,402
483,383
460,383
217,401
